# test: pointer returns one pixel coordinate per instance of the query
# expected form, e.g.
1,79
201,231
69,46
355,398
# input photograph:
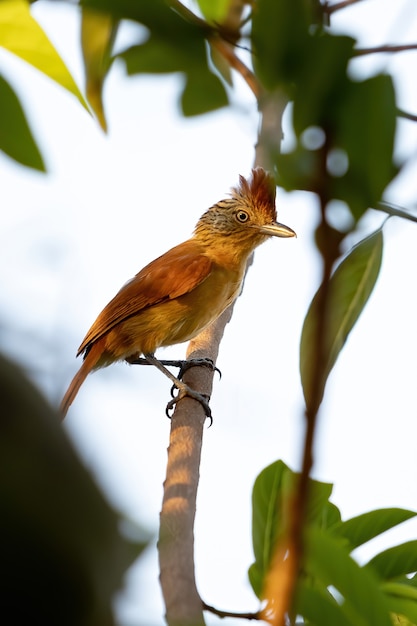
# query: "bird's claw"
185,391
205,362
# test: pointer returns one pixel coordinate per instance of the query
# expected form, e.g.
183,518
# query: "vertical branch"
288,557
176,535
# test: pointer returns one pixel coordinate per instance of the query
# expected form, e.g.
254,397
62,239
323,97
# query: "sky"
109,205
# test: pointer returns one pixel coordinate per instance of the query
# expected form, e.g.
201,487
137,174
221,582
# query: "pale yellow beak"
276,230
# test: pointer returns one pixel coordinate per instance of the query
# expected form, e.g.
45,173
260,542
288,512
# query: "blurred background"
110,204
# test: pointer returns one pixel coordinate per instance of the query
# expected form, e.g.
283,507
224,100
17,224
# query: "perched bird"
180,293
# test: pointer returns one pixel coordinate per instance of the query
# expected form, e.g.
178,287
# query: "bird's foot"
184,391
183,365
189,363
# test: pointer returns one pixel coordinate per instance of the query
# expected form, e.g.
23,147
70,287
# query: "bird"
180,293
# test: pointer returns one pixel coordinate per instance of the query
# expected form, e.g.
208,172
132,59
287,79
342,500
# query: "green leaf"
319,607
271,493
203,92
349,289
323,85
22,35
214,10
358,530
367,108
403,609
328,562
16,138
280,40
395,561
98,32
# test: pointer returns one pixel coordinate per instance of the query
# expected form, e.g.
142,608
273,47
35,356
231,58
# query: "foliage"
333,587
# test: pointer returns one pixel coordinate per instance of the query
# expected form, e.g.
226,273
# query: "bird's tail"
90,362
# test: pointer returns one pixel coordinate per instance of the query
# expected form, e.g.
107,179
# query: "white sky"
110,204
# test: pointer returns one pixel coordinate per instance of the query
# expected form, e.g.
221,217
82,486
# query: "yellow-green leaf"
98,31
21,34
349,289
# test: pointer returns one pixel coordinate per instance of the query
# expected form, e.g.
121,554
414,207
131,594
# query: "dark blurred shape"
61,554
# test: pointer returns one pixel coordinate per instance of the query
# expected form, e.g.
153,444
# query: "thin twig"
395,211
332,8
222,614
237,64
388,48
407,116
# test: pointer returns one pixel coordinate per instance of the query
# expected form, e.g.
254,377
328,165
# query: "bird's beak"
276,230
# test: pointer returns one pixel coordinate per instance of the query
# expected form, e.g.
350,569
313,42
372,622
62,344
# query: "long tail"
88,365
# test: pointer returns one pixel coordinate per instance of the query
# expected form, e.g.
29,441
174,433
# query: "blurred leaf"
221,65
62,557
349,289
22,35
395,561
271,494
323,84
203,92
98,32
319,607
358,530
158,55
214,10
16,138
368,107
280,40
327,560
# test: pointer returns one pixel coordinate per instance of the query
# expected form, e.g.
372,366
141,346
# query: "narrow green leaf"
214,10
401,590
328,561
22,35
350,287
358,530
395,561
16,138
98,31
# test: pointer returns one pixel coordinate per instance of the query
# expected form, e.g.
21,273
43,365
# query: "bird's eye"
242,216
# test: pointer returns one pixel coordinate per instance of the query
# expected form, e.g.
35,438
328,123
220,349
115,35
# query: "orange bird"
176,296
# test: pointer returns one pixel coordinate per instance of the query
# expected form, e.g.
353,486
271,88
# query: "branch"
288,556
176,536
332,8
395,211
388,48
221,614
407,116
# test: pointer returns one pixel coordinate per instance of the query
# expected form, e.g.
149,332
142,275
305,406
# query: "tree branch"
388,48
176,536
407,116
332,8
222,614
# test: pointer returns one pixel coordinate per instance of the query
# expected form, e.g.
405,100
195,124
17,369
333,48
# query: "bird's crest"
259,190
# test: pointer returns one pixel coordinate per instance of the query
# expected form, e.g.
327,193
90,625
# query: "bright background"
109,205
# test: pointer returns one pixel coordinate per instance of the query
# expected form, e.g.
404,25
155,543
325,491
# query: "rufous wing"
173,274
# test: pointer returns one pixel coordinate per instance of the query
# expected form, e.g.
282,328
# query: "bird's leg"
183,365
183,389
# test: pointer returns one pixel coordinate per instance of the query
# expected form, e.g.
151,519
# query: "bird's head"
247,218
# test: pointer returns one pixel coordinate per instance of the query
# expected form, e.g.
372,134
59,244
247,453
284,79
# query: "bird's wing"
173,274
